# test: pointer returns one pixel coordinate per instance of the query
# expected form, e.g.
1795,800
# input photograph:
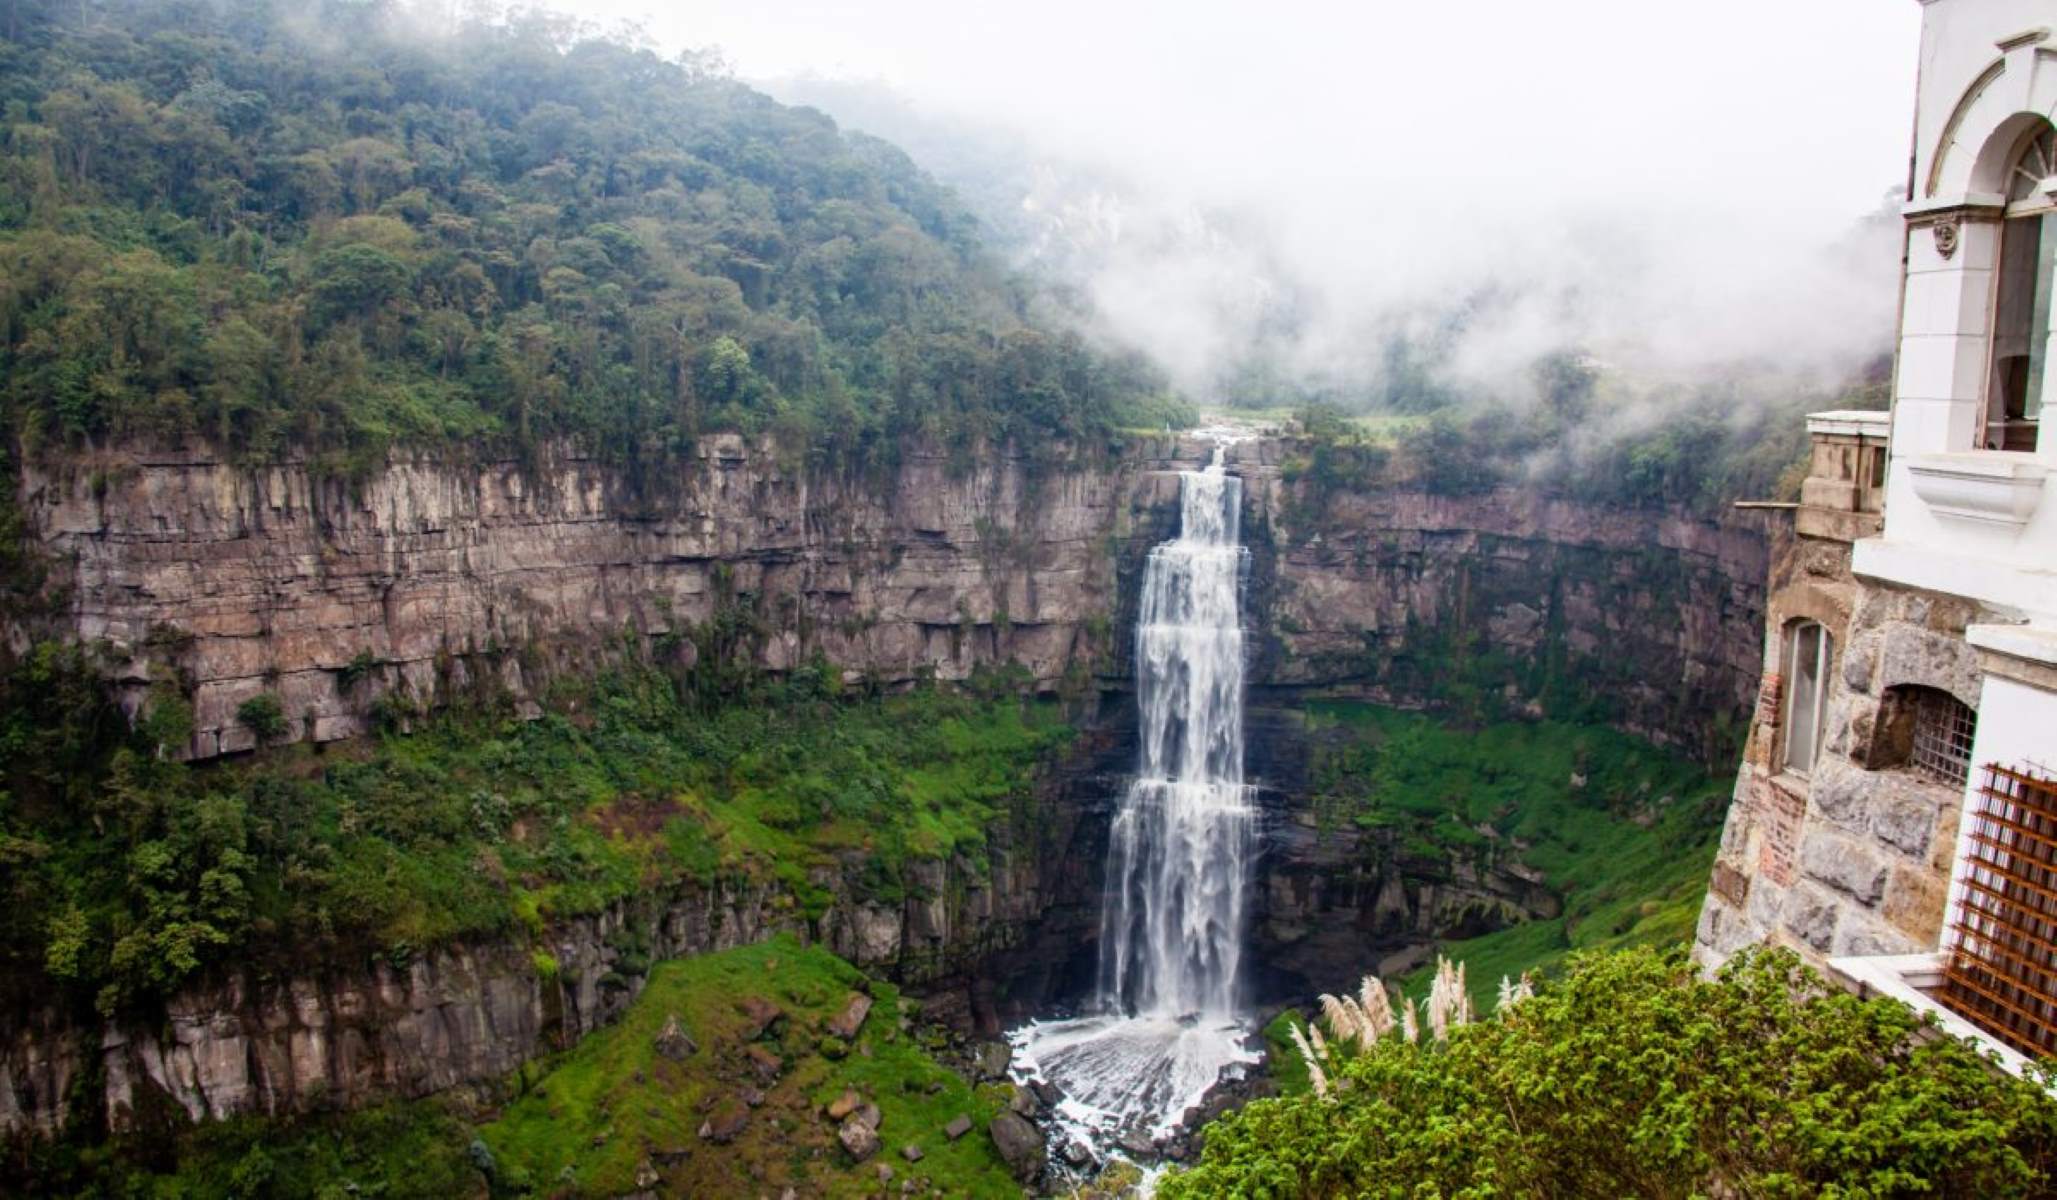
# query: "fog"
1672,189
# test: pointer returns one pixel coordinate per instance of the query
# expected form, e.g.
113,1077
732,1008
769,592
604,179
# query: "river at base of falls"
1165,1026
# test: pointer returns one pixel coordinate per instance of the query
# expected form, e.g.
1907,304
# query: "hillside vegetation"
129,872
1635,1076
331,227
1622,831
623,1108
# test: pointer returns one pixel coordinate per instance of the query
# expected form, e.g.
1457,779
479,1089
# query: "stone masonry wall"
1854,858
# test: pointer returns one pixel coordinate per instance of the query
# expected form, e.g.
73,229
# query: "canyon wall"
1508,600
430,579
466,1015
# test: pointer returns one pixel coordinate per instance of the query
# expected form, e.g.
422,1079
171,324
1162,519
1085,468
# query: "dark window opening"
1926,729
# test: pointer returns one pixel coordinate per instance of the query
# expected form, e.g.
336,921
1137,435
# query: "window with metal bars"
1943,729
2001,969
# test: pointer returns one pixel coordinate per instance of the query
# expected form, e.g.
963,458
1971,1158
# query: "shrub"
264,716
1635,1076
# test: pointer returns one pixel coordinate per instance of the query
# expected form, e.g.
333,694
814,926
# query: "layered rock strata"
432,578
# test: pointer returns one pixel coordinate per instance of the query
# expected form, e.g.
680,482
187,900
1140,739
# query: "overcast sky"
1677,157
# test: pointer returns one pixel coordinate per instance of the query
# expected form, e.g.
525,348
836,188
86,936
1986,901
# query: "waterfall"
1171,925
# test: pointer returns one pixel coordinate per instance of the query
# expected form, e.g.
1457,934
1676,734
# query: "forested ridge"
328,229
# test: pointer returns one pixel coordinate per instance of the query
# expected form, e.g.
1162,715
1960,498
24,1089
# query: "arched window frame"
2018,355
1806,656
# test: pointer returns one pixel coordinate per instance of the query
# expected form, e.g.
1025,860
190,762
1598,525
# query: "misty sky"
1664,176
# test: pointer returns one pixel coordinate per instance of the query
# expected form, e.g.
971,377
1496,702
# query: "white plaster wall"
1939,400
1958,45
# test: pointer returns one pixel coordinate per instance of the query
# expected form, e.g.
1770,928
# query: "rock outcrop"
1394,594
430,578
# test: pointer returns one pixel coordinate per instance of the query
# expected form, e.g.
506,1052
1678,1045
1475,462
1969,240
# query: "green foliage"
1635,1076
1586,435
264,716
392,1152
129,872
591,1116
271,226
1623,832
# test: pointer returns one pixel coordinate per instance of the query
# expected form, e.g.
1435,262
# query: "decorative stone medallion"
1945,232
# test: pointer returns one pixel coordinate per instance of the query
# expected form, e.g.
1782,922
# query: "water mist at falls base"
1165,1022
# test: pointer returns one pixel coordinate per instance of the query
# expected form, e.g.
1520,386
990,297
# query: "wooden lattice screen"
2002,971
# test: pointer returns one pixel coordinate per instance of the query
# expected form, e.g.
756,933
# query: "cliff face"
468,1014
428,579
433,578
1406,595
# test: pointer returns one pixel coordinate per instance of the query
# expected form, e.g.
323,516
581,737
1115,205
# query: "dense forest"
326,228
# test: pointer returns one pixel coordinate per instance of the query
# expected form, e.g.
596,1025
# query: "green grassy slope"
1623,831
602,1109
586,1122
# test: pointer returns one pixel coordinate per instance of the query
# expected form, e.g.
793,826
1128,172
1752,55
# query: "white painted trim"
1901,977
2001,585
1995,487
1850,422
1929,204
2016,641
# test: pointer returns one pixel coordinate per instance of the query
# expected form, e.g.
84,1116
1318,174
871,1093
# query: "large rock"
843,1105
846,1023
759,1015
673,1042
1020,1145
726,1123
860,1138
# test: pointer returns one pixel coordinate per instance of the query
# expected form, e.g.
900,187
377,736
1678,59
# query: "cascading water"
1166,1021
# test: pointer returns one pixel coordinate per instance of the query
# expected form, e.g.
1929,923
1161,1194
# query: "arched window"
1808,652
2021,302
1927,729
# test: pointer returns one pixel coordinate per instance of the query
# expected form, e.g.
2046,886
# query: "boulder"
990,1062
959,1126
673,1042
912,1153
861,1140
1020,1145
726,1123
758,1015
764,1062
843,1105
846,1023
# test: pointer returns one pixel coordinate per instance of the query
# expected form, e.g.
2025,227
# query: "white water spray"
1171,926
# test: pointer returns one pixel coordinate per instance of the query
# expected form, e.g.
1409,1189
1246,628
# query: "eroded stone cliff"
431,578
